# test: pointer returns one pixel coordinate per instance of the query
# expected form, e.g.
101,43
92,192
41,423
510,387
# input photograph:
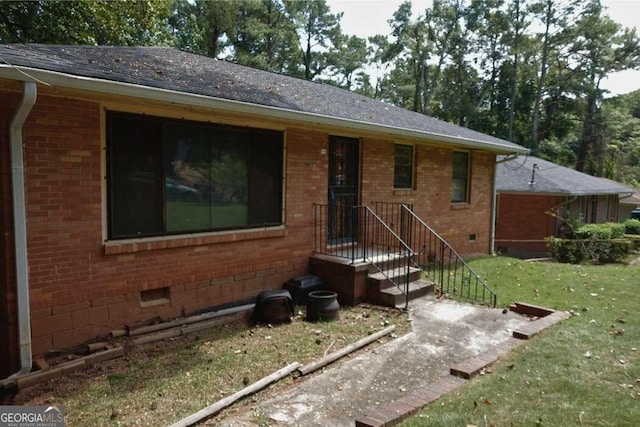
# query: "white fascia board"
90,84
563,193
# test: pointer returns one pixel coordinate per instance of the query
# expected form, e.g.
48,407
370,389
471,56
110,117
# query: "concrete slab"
444,332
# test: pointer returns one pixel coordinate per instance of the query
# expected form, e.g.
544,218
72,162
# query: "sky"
365,18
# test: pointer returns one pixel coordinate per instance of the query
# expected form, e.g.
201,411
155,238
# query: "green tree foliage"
205,27
529,71
98,22
407,54
599,48
318,31
621,118
553,17
379,61
420,53
299,38
347,60
265,37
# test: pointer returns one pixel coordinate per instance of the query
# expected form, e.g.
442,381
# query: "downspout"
494,201
29,94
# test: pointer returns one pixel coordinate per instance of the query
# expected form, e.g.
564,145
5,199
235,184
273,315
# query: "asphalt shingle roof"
514,176
175,70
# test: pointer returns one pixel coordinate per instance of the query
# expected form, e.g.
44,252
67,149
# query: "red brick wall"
431,197
78,292
81,288
523,217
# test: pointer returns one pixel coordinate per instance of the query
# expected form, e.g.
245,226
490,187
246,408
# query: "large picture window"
403,166
460,178
171,176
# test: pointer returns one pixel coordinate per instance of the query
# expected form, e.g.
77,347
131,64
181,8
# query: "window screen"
171,177
460,178
403,166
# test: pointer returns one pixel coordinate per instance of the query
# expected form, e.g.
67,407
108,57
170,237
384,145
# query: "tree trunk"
587,134
212,49
307,57
535,119
514,86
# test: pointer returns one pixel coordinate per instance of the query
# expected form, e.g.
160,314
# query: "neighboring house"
628,205
139,182
534,196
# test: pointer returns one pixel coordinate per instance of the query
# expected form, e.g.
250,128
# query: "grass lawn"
582,372
161,383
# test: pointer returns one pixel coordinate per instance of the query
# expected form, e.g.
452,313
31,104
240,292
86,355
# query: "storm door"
343,189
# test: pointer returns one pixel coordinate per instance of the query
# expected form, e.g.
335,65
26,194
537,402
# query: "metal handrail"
391,237
386,251
363,236
442,264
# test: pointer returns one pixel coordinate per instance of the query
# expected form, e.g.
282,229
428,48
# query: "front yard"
582,372
159,384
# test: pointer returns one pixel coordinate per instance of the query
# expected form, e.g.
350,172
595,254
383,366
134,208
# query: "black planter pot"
322,306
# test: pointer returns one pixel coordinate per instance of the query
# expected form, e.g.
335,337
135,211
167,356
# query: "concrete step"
386,261
394,297
380,280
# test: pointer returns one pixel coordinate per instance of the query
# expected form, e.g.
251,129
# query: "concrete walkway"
444,332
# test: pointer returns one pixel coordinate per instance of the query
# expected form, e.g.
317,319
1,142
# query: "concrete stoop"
381,289
394,297
395,412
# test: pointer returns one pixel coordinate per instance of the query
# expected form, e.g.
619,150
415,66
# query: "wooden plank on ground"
314,366
221,404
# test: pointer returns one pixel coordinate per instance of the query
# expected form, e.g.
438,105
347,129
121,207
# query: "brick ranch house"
529,188
144,181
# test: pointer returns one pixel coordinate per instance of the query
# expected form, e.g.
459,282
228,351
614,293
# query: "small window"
403,166
460,177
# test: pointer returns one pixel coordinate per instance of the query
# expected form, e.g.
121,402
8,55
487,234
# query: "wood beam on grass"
229,400
314,366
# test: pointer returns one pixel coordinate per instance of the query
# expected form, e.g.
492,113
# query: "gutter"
494,201
29,95
110,87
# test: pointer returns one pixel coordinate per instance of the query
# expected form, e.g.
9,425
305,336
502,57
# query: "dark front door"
343,188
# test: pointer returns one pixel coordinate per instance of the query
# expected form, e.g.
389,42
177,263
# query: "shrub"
635,241
605,231
569,224
617,230
632,226
598,251
593,231
607,251
597,243
565,250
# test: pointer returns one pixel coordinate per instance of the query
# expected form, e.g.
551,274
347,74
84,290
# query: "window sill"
117,247
460,206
